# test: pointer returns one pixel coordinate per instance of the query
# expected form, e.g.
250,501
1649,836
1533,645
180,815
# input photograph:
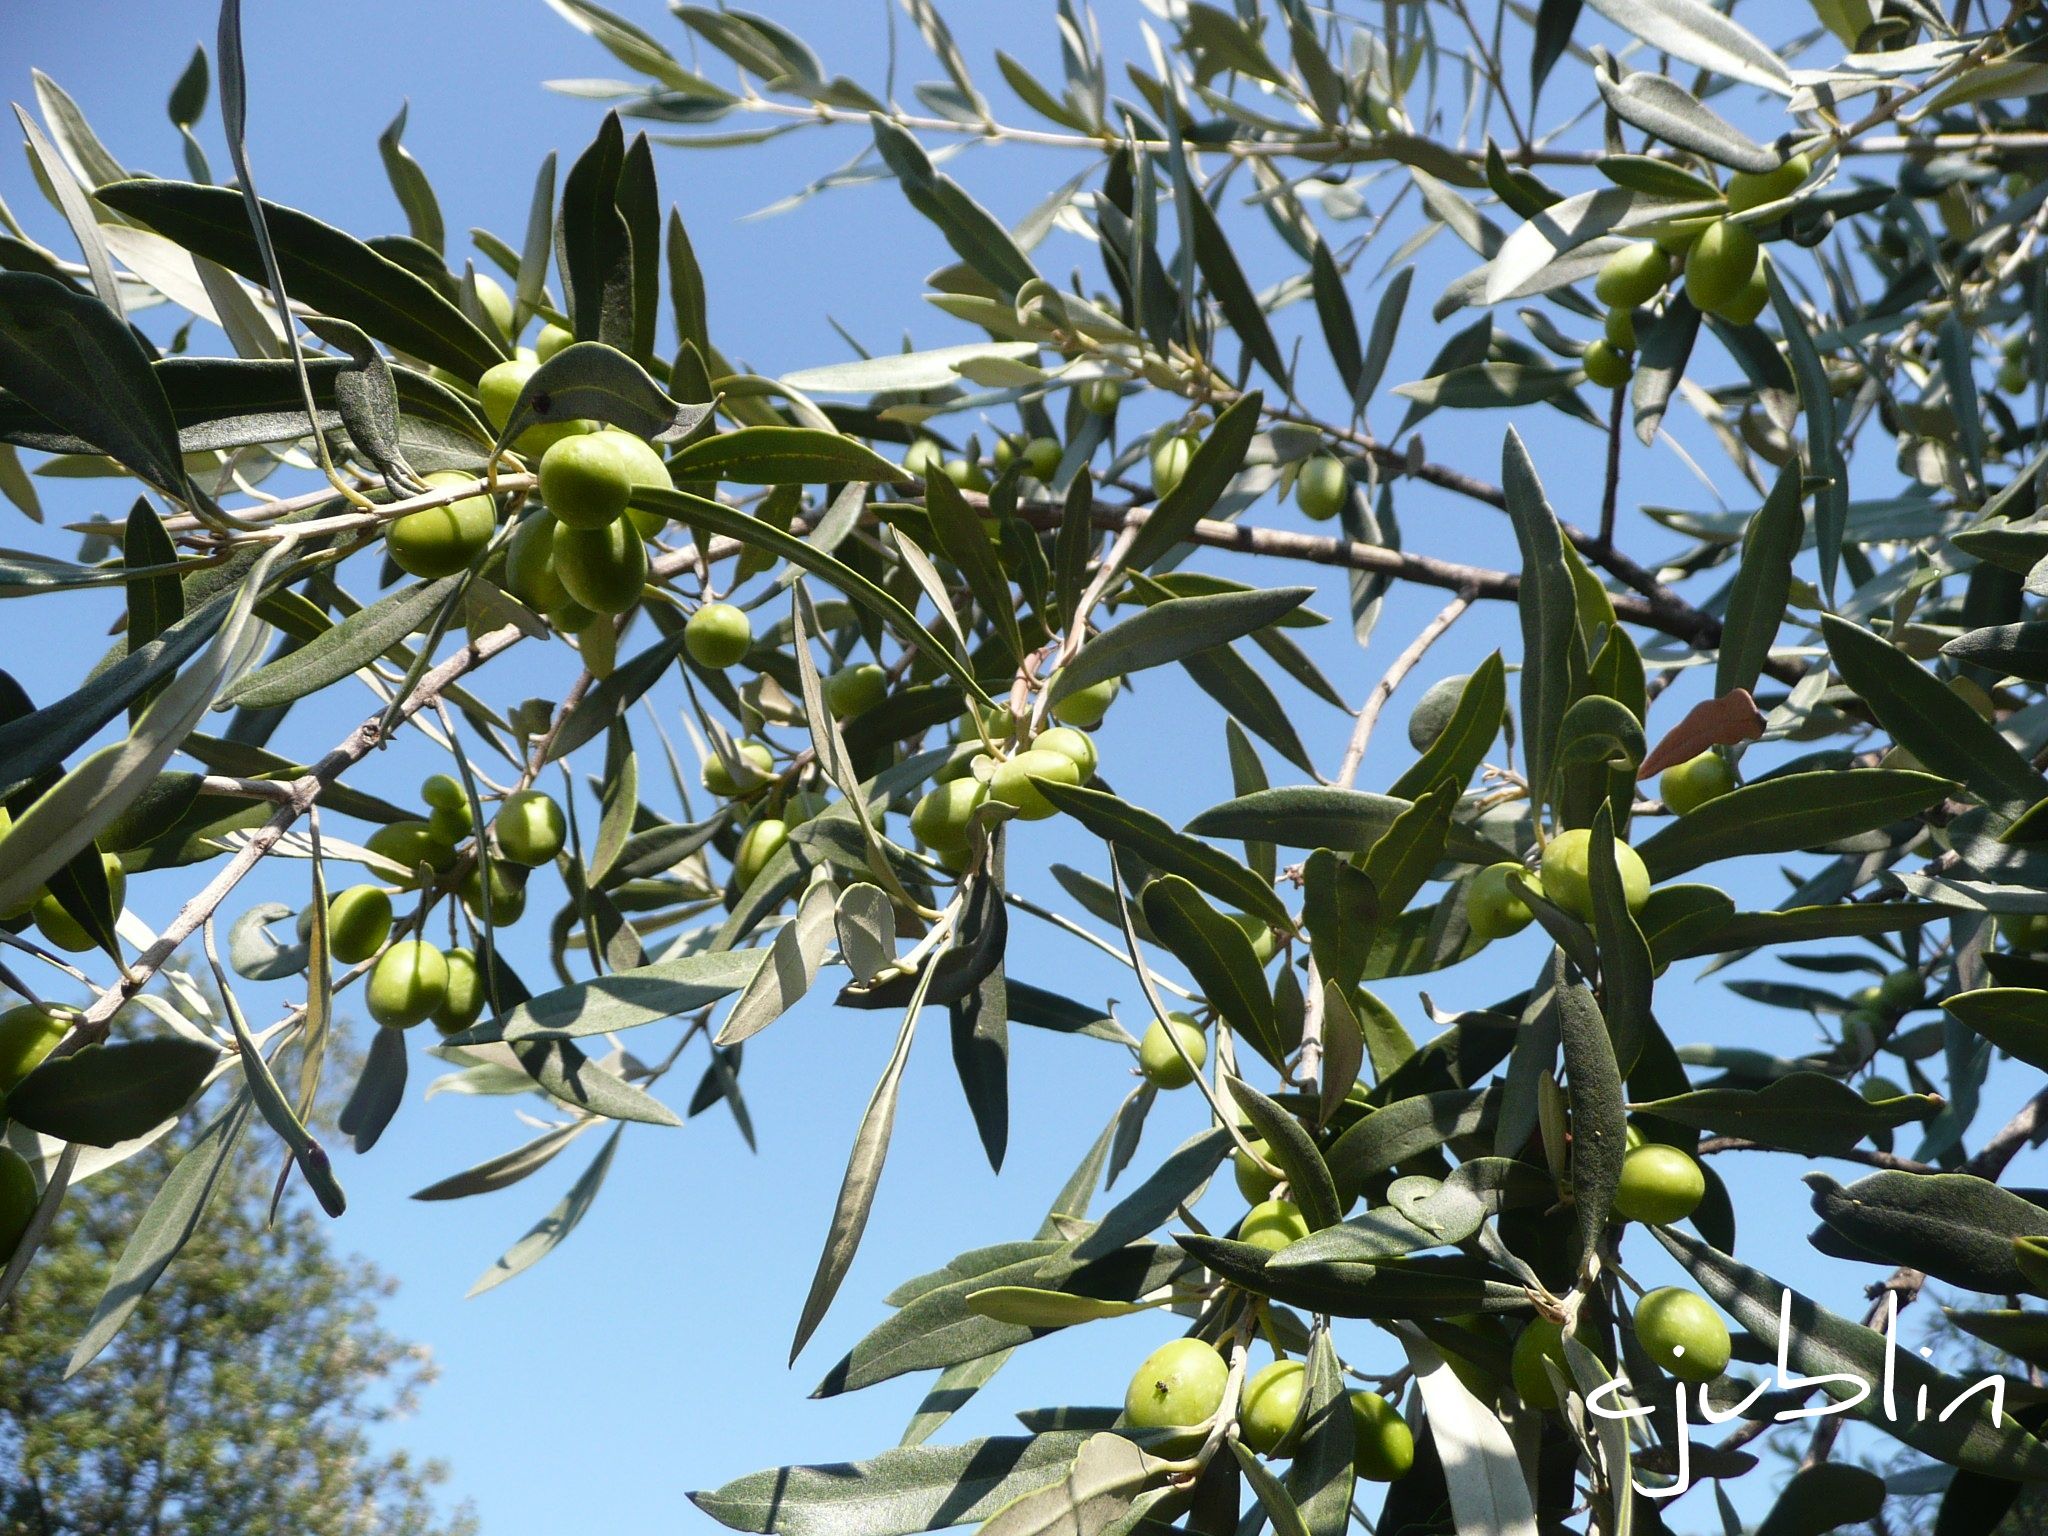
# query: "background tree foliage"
1783,237
238,1397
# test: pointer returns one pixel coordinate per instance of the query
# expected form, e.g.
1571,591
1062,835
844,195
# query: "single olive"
1042,458
1605,367
439,541
1085,707
530,564
19,1198
719,780
1172,452
495,302
1383,1446
1069,743
1253,1182
1659,1185
1719,266
407,984
1568,880
718,636
1178,1386
854,690
1752,189
1539,1341
1272,1225
1902,991
944,819
760,843
1493,906
65,931
1271,1406
358,923
1321,487
552,339
1691,784
463,1002
967,474
1620,328
585,480
604,569
410,844
507,891
1099,396
28,1034
530,828
1633,275
1754,298
499,391
1682,1332
1012,783
1162,1065
924,458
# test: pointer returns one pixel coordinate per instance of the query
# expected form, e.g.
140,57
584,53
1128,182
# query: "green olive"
1539,1341
1752,189
1271,1405
1383,1446
718,636
1689,785
1012,783
602,568
1099,396
1620,328
1171,455
1321,487
507,892
585,480
19,1198
1902,991
443,792
462,1001
1179,1386
65,931
407,984
1042,458
853,690
1253,1182
1659,1185
1161,1064
1260,932
924,458
28,1034
1272,1225
409,844
1754,298
1682,1332
1494,907
720,781
439,541
530,564
495,302
1719,266
1069,743
552,339
499,391
967,474
944,819
358,923
761,842
645,468
1633,275
1568,880
530,828
1085,707
1605,367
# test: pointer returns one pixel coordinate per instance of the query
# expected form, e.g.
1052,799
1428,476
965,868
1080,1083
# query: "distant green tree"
237,1399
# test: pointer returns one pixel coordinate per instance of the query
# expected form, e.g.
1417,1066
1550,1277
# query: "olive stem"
1383,690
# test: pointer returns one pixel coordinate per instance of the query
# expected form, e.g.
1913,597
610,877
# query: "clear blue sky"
646,1356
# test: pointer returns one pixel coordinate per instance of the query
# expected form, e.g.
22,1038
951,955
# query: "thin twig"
1369,713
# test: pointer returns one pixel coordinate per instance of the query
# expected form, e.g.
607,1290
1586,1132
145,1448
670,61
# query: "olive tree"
1780,239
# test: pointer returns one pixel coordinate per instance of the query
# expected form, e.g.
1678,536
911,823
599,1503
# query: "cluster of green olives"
944,819
1726,272
1040,457
1179,1387
1494,906
412,980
